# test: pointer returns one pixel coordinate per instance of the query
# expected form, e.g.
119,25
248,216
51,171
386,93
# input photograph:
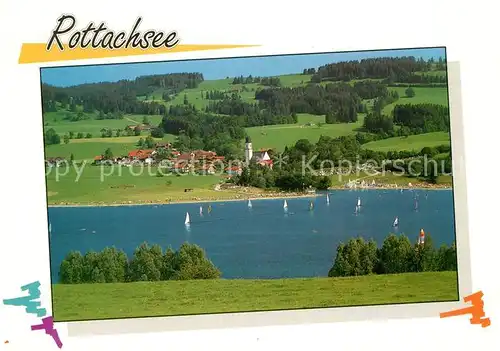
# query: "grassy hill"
273,136
281,135
150,299
412,142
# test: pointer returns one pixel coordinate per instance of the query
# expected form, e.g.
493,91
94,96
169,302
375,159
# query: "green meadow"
120,184
57,121
422,95
410,143
279,136
170,298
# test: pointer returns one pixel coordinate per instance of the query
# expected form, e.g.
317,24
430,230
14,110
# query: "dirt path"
131,120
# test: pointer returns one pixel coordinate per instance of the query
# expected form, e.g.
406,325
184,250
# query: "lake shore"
244,197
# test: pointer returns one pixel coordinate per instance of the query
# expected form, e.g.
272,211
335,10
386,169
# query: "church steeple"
248,150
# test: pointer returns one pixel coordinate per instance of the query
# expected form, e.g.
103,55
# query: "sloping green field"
150,299
412,142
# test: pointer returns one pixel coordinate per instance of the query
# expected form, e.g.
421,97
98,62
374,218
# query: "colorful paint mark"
32,306
476,310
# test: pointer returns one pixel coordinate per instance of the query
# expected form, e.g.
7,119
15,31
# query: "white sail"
50,227
396,222
201,211
359,202
285,205
249,203
327,199
187,218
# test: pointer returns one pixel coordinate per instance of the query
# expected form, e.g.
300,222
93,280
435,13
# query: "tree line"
328,152
392,68
396,255
121,96
198,130
149,263
267,81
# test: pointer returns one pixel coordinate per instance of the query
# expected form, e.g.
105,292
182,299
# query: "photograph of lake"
249,184
261,242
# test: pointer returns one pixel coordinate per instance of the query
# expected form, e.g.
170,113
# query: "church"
260,157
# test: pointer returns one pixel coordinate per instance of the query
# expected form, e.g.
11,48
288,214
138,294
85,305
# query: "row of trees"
121,96
394,69
149,263
266,178
267,81
396,255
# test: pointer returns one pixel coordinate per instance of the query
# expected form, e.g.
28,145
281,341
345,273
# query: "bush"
397,255
148,263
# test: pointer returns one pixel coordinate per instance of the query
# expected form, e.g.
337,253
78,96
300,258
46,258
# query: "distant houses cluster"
196,161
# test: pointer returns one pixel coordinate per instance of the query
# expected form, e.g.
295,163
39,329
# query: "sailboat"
187,221
285,205
416,204
359,202
209,208
249,204
201,211
327,199
311,206
396,222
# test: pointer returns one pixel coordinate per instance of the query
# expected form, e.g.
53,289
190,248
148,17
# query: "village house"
234,170
260,157
142,127
165,146
54,161
146,156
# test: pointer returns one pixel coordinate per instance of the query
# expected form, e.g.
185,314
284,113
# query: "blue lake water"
261,242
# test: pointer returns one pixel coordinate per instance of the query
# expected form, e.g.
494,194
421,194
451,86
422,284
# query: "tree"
79,135
72,158
157,133
395,255
409,92
71,270
66,138
108,154
145,120
137,131
51,137
88,136
189,262
146,264
71,135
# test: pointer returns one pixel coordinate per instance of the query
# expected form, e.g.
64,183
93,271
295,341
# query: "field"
87,149
412,142
123,184
279,136
422,96
92,125
149,188
152,299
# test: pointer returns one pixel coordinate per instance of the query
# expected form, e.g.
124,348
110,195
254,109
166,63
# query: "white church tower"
248,150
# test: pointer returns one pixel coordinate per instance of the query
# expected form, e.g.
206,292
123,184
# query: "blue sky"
217,68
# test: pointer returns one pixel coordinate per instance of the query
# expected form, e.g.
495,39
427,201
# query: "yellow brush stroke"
36,52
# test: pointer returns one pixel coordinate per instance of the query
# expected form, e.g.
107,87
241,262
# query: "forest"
394,69
118,97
